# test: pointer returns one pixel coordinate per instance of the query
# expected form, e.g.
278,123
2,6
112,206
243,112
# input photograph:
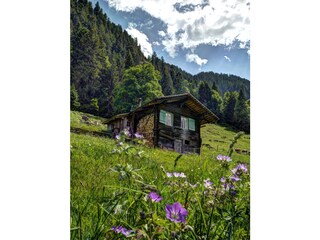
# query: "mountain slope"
225,82
101,51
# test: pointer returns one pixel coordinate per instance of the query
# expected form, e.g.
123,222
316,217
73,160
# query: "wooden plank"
156,126
199,137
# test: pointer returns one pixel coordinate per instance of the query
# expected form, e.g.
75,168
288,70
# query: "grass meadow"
122,190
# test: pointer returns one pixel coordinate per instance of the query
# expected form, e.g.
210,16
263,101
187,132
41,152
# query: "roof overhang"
115,117
203,113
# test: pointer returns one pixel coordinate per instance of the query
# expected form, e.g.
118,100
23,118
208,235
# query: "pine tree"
241,113
214,87
107,86
229,102
205,94
74,98
166,80
129,60
216,105
154,60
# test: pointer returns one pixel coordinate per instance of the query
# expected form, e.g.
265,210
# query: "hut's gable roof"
115,117
206,116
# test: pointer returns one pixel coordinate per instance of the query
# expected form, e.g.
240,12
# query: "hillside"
225,82
215,138
102,51
111,186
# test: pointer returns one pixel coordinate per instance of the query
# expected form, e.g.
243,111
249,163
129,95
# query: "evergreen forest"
109,73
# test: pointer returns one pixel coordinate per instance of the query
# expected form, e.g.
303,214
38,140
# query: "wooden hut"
170,122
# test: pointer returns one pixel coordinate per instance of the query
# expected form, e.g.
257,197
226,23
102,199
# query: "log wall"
145,126
169,136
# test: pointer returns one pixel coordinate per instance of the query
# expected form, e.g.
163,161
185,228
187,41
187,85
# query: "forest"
109,73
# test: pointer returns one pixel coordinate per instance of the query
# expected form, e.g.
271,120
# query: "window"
166,118
184,122
188,123
192,124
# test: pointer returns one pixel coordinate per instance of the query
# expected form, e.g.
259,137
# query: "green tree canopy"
141,81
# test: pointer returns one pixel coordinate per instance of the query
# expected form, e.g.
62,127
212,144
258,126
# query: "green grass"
94,123
99,199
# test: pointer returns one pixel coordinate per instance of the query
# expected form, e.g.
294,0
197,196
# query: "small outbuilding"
170,122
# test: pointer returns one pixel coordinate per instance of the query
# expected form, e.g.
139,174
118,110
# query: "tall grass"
110,186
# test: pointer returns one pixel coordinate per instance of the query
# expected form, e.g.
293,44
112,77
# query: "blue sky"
196,35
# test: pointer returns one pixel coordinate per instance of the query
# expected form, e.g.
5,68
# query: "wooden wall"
171,136
145,126
157,134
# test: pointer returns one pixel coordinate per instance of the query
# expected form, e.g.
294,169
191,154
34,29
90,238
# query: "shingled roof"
206,116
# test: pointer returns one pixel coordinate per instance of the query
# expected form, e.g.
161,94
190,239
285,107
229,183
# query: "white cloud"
132,25
162,33
215,22
156,43
195,58
142,39
148,24
242,45
227,58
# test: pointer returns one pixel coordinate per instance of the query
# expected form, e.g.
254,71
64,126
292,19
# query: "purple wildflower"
155,197
176,212
118,137
182,175
241,168
207,183
235,178
117,229
193,185
228,186
120,229
233,193
126,132
126,232
169,174
223,180
223,158
176,174
137,135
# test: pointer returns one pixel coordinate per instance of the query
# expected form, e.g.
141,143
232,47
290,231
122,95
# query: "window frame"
194,124
188,125
165,122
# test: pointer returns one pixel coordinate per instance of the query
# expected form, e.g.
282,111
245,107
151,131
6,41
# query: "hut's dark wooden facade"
170,122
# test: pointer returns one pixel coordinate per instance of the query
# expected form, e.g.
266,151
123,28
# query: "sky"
195,35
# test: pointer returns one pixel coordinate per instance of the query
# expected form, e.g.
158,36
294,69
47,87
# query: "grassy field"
111,186
93,124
